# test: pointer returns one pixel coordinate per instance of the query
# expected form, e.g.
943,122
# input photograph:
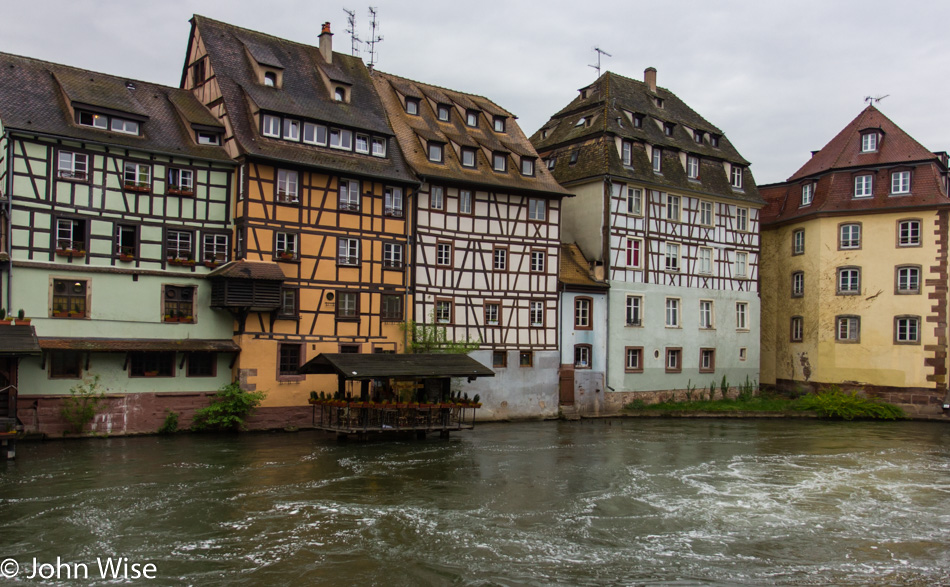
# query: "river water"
596,502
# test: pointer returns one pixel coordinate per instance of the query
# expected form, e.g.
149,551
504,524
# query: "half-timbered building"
486,238
117,199
321,201
854,280
670,209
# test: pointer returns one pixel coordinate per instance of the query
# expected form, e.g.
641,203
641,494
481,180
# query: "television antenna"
351,24
374,38
599,53
872,100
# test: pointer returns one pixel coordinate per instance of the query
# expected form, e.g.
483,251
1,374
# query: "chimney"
326,43
649,78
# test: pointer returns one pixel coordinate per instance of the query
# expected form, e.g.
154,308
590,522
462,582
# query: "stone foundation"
917,402
614,401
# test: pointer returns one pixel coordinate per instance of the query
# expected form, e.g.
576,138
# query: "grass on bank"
828,403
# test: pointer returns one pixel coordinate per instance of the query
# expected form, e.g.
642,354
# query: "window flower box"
170,318
60,314
70,253
23,321
137,187
211,264
126,258
151,374
176,191
181,262
6,321
286,256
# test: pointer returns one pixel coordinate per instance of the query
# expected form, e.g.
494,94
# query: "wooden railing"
356,417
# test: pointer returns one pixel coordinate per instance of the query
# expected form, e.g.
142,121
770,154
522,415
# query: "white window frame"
863,185
634,201
537,209
869,142
286,242
392,255
633,252
808,194
527,166
626,152
379,147
443,254
908,279
742,219
500,259
436,197
848,329
287,186
705,260
742,264
849,280
214,247
393,202
73,165
797,333
499,162
692,167
141,174
742,316
737,177
798,242
465,201
908,233
707,314
900,182
538,259
341,138
536,313
291,130
181,179
707,214
492,313
436,152
634,312
672,313
348,251
798,284
907,329
849,236
362,144
671,257
270,126
318,132
349,195
674,208
657,159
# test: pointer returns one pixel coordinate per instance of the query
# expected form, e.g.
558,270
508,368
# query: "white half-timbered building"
670,209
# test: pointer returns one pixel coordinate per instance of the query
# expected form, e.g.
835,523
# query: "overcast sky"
779,78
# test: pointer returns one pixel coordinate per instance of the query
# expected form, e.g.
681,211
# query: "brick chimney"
649,78
326,43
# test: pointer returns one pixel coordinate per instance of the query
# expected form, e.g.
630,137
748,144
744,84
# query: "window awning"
121,345
377,365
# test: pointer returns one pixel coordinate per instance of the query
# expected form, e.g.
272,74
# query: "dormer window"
869,142
692,166
584,94
668,128
551,163
626,153
209,138
339,94
499,161
468,157
291,130
637,121
808,194
104,122
659,102
444,112
270,79
698,136
527,166
471,117
436,152
737,177
714,140
412,106
574,154
270,125
582,121
657,159
362,144
498,123
379,147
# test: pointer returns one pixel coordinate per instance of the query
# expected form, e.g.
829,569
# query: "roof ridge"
91,71
438,87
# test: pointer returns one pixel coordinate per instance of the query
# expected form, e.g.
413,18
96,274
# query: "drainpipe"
608,189
9,217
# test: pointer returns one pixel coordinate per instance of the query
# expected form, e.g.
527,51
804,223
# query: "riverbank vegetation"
231,405
831,402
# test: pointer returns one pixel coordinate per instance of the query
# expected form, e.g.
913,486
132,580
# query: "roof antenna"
374,38
871,100
354,40
599,53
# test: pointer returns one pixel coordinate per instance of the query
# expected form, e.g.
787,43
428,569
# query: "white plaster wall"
516,392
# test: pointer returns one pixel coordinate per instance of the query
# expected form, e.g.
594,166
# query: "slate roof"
414,132
35,97
18,340
241,269
303,95
121,345
609,109
374,365
833,168
574,270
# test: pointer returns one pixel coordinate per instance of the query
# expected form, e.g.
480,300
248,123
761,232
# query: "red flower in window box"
126,257
181,262
70,252
287,256
211,264
151,373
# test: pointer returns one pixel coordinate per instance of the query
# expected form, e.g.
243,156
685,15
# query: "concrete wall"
515,392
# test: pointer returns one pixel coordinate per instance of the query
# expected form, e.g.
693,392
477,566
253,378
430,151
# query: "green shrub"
834,403
637,404
231,405
83,403
170,426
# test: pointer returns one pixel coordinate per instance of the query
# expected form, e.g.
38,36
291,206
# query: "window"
797,329
468,157
657,159
582,308
525,358
714,140
465,202
179,304
536,313
537,209
737,177
412,106
202,364
348,251
742,316
214,248
672,313
287,186
392,255
498,123
152,364
289,359
499,161
285,246
908,280
742,219
471,118
100,121
692,167
698,136
668,128
126,241
626,152
436,198
742,353
582,356
849,281
270,79
658,101
349,195
291,130
444,111
706,213
552,163
808,193
341,139
70,234
635,201
634,311
115,124
289,302
492,314
315,134
674,360
908,233
270,126
862,186
181,181
443,312
69,298
673,208
339,94
705,260
347,305
391,308
436,152
849,236
742,264
907,330
706,314
198,72
65,364
537,261
798,242
672,257
178,245
362,144
707,360
633,252
868,142
392,202
379,147
73,166
634,359
527,166
137,176
443,254
798,284
847,328
500,259
574,154
499,359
